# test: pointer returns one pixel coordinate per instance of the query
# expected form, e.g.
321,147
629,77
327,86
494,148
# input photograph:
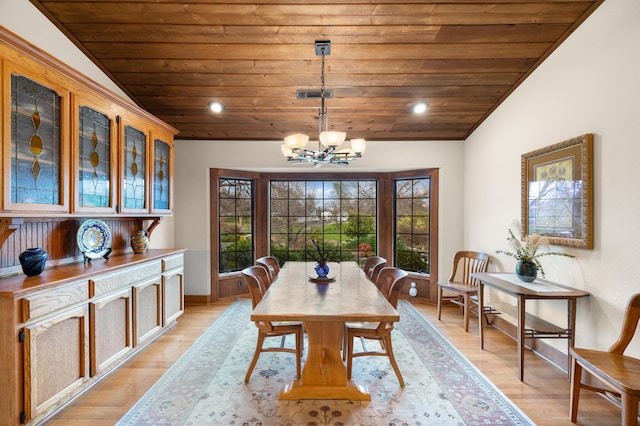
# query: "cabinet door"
56,360
94,155
134,167
35,148
111,332
147,310
161,173
173,295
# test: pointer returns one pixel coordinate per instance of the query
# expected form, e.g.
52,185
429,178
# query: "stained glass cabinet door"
134,166
161,173
94,156
35,150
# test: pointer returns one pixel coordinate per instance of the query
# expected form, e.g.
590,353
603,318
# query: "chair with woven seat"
373,264
272,265
619,373
466,287
252,278
391,280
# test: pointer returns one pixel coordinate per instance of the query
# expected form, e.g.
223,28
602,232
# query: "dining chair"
619,373
463,284
265,274
272,264
252,278
391,280
371,263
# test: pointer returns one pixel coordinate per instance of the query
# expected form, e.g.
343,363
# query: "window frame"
427,283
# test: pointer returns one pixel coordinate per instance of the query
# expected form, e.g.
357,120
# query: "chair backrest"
272,264
371,263
375,271
252,277
390,281
629,325
265,274
467,263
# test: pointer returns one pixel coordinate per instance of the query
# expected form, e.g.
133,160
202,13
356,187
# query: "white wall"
195,158
590,84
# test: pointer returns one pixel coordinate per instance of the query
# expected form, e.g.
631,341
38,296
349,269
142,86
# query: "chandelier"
295,146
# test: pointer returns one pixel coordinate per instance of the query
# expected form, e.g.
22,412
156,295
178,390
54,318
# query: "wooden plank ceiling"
462,57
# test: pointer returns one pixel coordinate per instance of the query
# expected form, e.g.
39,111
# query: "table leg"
520,333
324,375
481,313
571,325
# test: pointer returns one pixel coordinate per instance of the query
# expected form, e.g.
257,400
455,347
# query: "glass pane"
160,175
421,188
279,208
236,224
35,143
404,207
328,211
367,207
94,160
135,153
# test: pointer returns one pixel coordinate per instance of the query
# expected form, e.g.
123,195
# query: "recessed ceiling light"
419,108
215,106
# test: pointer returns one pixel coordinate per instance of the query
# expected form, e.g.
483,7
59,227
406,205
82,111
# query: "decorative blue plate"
94,238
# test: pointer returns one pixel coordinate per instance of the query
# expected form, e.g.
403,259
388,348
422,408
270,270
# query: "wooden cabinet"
56,360
35,139
63,330
147,308
110,330
62,130
173,288
94,155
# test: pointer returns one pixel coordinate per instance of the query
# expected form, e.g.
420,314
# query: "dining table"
323,306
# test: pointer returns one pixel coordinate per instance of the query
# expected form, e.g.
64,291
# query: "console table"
529,327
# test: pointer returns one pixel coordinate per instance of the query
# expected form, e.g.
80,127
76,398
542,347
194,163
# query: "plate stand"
106,255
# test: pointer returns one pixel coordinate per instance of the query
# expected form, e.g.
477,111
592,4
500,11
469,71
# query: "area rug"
206,385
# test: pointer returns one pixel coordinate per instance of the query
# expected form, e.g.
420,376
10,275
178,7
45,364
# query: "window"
338,215
412,236
235,225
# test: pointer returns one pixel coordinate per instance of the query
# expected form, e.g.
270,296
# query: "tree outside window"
340,215
412,202
235,202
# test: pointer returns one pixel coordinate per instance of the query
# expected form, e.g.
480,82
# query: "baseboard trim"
193,300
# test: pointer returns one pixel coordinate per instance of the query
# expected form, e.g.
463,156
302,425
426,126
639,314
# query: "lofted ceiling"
462,57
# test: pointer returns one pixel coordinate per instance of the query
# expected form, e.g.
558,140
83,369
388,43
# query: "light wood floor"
543,396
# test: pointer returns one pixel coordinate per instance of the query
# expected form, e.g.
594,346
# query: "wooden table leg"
571,325
324,375
520,335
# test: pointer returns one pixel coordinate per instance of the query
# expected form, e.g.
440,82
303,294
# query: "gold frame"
557,192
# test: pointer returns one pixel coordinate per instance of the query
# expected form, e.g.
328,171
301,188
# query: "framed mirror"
557,192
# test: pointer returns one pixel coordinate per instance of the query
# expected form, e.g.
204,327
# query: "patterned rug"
206,385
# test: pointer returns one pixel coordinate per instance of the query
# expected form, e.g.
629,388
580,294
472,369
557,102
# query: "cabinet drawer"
52,300
107,283
172,262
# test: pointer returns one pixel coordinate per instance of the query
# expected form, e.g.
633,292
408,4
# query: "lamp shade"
286,151
332,139
297,141
358,145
